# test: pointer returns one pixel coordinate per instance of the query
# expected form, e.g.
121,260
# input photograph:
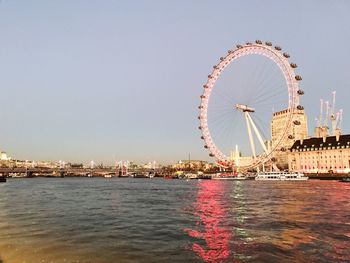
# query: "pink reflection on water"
210,209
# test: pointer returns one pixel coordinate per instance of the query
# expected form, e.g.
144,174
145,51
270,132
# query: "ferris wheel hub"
244,108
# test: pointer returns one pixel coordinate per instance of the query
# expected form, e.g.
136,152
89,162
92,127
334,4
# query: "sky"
121,80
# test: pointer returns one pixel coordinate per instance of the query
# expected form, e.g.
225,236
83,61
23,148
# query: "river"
155,220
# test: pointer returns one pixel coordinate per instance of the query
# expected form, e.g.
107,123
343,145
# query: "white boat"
108,176
281,176
231,177
191,176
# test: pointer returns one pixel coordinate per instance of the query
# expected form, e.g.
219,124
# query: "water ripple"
137,220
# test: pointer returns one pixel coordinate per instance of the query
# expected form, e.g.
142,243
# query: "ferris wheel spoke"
277,90
264,87
220,118
271,87
224,122
261,74
220,134
269,81
264,104
267,89
271,108
227,95
224,118
221,107
268,97
225,99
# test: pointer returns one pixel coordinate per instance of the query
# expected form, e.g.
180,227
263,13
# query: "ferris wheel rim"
291,79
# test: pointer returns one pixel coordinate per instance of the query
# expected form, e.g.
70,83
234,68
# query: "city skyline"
84,81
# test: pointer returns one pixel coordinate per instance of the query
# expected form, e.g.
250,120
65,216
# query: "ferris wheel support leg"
260,139
252,145
257,133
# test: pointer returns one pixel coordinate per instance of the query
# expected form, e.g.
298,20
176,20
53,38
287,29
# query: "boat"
2,179
232,177
191,176
345,179
107,176
151,175
281,176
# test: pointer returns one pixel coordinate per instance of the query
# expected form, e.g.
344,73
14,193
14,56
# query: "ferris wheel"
243,91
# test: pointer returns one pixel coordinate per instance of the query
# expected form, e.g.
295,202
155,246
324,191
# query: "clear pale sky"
106,80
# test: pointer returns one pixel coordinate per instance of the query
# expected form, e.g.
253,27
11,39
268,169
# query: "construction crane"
328,112
332,116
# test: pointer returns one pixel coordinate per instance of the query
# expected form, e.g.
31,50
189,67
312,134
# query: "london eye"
241,94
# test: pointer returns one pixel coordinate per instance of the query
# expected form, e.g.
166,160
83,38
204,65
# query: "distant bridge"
61,172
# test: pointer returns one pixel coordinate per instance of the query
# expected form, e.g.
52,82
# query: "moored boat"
2,179
281,176
191,176
345,180
232,177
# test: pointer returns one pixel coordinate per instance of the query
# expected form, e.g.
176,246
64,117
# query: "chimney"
318,132
324,133
337,134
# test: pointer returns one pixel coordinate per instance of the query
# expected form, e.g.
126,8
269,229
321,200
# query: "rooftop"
316,143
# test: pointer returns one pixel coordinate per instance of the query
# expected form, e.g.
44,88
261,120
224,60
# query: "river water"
157,220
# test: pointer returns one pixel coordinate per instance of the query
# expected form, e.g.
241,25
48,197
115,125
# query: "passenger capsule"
210,76
297,77
293,65
215,67
202,97
300,92
283,149
222,58
202,137
278,48
267,43
290,137
206,146
199,117
211,155
296,122
258,42
229,51
205,86
248,43
286,55
273,159
299,107
239,46
200,127
200,107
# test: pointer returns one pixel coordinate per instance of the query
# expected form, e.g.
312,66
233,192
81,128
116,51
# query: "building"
4,157
297,131
239,160
327,154
192,165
